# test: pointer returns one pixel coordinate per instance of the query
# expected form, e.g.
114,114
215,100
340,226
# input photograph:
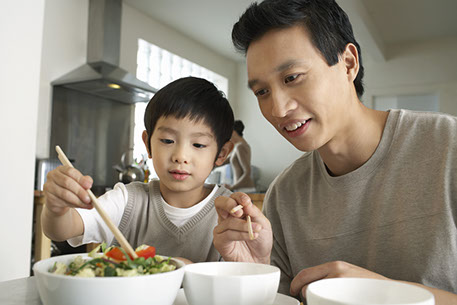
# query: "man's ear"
225,151
145,141
351,61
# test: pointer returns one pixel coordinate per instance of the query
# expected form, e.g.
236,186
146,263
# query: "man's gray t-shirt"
395,215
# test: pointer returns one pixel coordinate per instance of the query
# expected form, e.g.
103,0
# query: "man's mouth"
296,127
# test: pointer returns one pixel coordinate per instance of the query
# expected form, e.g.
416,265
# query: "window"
158,67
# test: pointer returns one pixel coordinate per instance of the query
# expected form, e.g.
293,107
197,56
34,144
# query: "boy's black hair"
327,23
238,127
194,98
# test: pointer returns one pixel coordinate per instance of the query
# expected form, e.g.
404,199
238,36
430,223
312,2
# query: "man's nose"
282,103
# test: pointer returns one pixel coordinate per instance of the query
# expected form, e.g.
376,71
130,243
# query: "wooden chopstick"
237,208
251,233
248,218
119,236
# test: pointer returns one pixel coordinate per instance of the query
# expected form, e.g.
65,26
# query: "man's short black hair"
194,98
327,23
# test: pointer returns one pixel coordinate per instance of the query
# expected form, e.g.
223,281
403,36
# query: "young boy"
188,127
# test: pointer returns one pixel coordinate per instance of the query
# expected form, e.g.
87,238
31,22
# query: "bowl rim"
270,269
426,294
46,273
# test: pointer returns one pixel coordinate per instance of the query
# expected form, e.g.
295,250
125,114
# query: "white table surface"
19,292
24,292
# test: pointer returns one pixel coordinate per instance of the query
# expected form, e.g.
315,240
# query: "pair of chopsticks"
119,236
248,219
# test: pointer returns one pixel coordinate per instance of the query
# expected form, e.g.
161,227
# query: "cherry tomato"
146,251
116,253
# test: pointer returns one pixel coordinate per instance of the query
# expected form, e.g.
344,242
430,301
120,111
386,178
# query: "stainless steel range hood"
101,75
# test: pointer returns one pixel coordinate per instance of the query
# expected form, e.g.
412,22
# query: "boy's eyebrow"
282,67
195,134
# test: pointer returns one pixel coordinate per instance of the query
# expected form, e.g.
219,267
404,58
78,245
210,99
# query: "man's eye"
291,78
260,92
166,141
199,145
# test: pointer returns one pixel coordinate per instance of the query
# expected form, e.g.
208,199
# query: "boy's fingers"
85,181
56,197
67,188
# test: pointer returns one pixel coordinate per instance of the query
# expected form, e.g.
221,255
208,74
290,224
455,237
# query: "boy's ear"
225,151
145,141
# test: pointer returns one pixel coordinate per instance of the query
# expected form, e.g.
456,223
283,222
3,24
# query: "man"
375,196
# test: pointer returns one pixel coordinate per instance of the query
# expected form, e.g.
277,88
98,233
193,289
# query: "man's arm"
340,269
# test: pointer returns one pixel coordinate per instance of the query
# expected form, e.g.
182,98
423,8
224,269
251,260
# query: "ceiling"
377,23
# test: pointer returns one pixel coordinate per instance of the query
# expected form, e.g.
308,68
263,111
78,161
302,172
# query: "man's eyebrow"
282,67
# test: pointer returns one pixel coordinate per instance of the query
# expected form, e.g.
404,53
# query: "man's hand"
343,269
231,235
328,270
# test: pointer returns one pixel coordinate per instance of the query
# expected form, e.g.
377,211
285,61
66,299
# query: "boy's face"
183,153
298,93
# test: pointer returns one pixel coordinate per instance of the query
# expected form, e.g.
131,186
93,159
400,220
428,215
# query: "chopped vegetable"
115,262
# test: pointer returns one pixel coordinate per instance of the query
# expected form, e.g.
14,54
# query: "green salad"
114,261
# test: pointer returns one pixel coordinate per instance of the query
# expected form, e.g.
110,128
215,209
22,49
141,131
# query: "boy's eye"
199,145
166,141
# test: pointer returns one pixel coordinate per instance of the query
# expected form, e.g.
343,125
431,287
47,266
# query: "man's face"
298,93
183,153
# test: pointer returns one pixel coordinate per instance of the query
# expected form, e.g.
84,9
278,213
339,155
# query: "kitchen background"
409,50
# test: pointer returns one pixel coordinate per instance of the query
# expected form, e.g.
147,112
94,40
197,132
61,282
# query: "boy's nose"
179,156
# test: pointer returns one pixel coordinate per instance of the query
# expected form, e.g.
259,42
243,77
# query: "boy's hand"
231,235
66,188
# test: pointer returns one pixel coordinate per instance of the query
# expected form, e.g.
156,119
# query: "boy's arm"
61,227
65,189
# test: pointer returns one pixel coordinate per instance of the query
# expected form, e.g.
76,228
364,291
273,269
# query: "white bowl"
357,291
228,283
54,289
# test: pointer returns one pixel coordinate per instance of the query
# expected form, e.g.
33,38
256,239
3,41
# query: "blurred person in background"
240,161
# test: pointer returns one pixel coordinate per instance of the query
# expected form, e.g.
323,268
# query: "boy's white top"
114,202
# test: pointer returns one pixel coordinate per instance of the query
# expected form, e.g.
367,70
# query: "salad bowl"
56,289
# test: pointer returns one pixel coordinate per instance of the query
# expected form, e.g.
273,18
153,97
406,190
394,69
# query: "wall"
21,24
416,68
64,49
137,25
